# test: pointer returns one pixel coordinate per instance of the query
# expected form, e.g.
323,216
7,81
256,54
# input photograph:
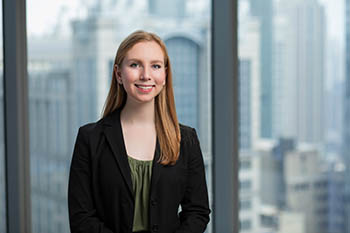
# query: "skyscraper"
186,76
50,148
249,82
300,52
263,10
307,187
336,208
51,139
245,72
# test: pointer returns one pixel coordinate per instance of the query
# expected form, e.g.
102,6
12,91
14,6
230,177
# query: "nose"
145,74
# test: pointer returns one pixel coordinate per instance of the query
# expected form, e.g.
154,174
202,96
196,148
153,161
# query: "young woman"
134,168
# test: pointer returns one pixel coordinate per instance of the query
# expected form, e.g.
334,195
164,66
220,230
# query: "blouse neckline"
139,160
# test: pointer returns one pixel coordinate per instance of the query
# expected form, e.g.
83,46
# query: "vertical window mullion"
225,115
16,117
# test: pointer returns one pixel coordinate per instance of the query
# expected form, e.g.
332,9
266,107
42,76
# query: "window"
70,61
301,187
245,185
294,110
245,204
245,224
245,164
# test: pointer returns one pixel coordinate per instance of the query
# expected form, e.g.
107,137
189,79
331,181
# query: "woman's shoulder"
186,130
91,128
188,134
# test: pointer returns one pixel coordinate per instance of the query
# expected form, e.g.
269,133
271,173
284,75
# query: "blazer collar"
114,135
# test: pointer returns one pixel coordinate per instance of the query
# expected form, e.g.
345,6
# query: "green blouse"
141,171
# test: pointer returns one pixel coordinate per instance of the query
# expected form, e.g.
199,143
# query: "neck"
138,113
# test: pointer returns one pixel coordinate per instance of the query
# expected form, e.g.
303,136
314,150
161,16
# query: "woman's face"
142,72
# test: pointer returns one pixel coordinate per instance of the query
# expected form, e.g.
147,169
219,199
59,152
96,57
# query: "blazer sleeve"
82,212
194,215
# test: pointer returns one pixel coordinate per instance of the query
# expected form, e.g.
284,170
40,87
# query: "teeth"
145,88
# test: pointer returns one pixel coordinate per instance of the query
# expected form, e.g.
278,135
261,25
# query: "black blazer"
100,196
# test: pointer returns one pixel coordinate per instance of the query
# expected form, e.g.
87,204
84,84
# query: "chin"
141,100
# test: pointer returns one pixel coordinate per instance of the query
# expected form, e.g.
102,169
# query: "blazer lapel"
114,135
115,139
156,169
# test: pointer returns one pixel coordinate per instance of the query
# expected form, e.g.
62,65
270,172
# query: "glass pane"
293,169
70,62
2,139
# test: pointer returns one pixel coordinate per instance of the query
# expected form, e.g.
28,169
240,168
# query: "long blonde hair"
167,125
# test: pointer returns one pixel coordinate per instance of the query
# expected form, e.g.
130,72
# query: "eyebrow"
138,60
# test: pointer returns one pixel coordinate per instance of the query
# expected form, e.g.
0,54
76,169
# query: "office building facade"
306,188
249,82
263,11
301,79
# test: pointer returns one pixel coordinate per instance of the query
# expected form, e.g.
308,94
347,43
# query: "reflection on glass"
70,65
291,78
2,139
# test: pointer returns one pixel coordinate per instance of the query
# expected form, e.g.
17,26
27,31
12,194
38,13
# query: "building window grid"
185,71
245,204
245,164
245,185
244,103
245,224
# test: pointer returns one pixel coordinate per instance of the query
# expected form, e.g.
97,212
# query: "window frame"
225,115
16,125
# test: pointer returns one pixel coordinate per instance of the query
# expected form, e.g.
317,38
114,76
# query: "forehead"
146,50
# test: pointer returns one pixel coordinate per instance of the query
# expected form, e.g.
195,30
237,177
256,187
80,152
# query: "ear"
118,74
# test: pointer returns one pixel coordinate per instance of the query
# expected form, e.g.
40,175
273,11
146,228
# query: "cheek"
160,78
129,76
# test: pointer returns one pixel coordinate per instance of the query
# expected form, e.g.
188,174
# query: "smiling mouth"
144,87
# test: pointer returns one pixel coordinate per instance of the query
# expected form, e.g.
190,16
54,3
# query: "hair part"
166,122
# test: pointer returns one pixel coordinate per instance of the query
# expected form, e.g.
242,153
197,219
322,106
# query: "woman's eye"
134,65
156,66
